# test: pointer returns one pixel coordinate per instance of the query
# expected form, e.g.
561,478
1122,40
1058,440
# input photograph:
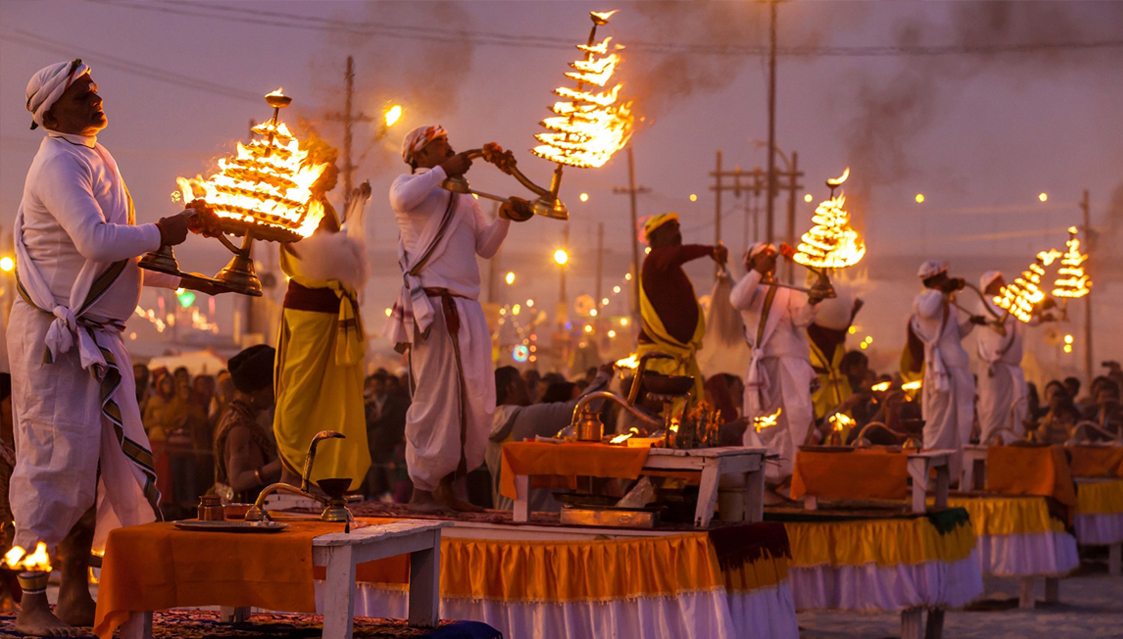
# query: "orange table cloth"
1031,470
1097,461
566,460
158,566
861,474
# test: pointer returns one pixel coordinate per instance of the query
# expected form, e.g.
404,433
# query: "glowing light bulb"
920,198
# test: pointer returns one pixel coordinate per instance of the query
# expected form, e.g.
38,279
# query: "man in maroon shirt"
672,321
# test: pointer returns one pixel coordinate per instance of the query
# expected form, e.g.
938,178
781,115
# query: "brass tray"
609,517
230,526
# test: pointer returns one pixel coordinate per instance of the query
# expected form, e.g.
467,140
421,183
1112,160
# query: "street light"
392,115
561,256
7,264
510,279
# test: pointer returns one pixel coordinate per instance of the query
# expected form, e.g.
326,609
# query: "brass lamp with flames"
1021,297
587,128
1071,281
262,193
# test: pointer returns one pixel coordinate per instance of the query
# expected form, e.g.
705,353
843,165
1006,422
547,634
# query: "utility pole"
348,118
632,192
792,187
1088,369
755,182
771,118
717,201
600,266
563,298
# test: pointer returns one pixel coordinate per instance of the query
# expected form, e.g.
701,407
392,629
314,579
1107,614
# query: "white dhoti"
67,436
786,385
1003,396
447,424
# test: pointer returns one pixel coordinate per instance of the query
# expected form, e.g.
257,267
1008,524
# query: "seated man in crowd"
516,419
1056,419
245,453
1104,409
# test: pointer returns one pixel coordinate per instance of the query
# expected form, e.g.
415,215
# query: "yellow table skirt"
885,542
1099,498
1001,515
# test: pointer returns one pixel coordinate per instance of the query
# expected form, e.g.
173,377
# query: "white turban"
48,85
757,248
416,140
931,268
987,278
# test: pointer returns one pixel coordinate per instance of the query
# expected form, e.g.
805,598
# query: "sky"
979,106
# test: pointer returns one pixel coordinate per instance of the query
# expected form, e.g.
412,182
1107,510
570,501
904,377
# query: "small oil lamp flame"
767,421
630,362
1071,281
911,386
831,242
620,439
18,559
881,387
840,422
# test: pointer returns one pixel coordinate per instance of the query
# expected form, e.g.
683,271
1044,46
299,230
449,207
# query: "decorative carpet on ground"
201,624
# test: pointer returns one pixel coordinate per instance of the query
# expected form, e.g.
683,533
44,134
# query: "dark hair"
504,377
852,358
1059,384
558,392
1074,382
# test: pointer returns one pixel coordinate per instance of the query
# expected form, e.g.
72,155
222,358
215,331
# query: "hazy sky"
979,129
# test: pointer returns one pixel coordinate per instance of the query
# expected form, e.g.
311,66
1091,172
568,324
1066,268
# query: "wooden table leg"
1028,598
137,626
522,498
1115,559
912,621
918,471
1052,590
935,626
731,494
943,484
424,585
229,614
707,493
339,593
754,496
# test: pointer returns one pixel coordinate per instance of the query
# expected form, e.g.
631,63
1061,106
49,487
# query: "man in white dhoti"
778,380
438,317
948,398
78,433
1003,392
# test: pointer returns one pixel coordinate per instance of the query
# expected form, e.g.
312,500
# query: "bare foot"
424,502
35,618
446,495
75,606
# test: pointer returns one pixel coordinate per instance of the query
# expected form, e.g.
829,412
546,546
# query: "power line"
527,41
136,68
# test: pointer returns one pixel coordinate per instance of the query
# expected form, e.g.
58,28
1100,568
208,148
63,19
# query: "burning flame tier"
831,242
266,187
1071,280
1021,296
591,126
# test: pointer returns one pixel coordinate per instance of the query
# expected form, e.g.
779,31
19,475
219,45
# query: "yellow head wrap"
655,221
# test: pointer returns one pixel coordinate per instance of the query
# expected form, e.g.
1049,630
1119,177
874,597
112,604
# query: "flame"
1071,281
831,242
911,386
392,115
620,439
602,16
841,422
834,182
1023,294
630,362
591,126
881,387
674,424
268,183
93,577
278,92
38,561
766,421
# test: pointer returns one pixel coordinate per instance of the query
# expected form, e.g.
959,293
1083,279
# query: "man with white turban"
672,321
1003,393
778,380
438,317
78,432
948,398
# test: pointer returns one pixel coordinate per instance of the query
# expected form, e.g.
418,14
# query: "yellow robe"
685,361
834,387
319,382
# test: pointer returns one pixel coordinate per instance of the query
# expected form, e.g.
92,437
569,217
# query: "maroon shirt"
669,289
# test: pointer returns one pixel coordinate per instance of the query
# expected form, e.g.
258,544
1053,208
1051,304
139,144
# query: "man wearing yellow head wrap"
672,321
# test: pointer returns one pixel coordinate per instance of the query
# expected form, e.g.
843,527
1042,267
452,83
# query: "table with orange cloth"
860,474
159,566
1096,461
548,462
1031,470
